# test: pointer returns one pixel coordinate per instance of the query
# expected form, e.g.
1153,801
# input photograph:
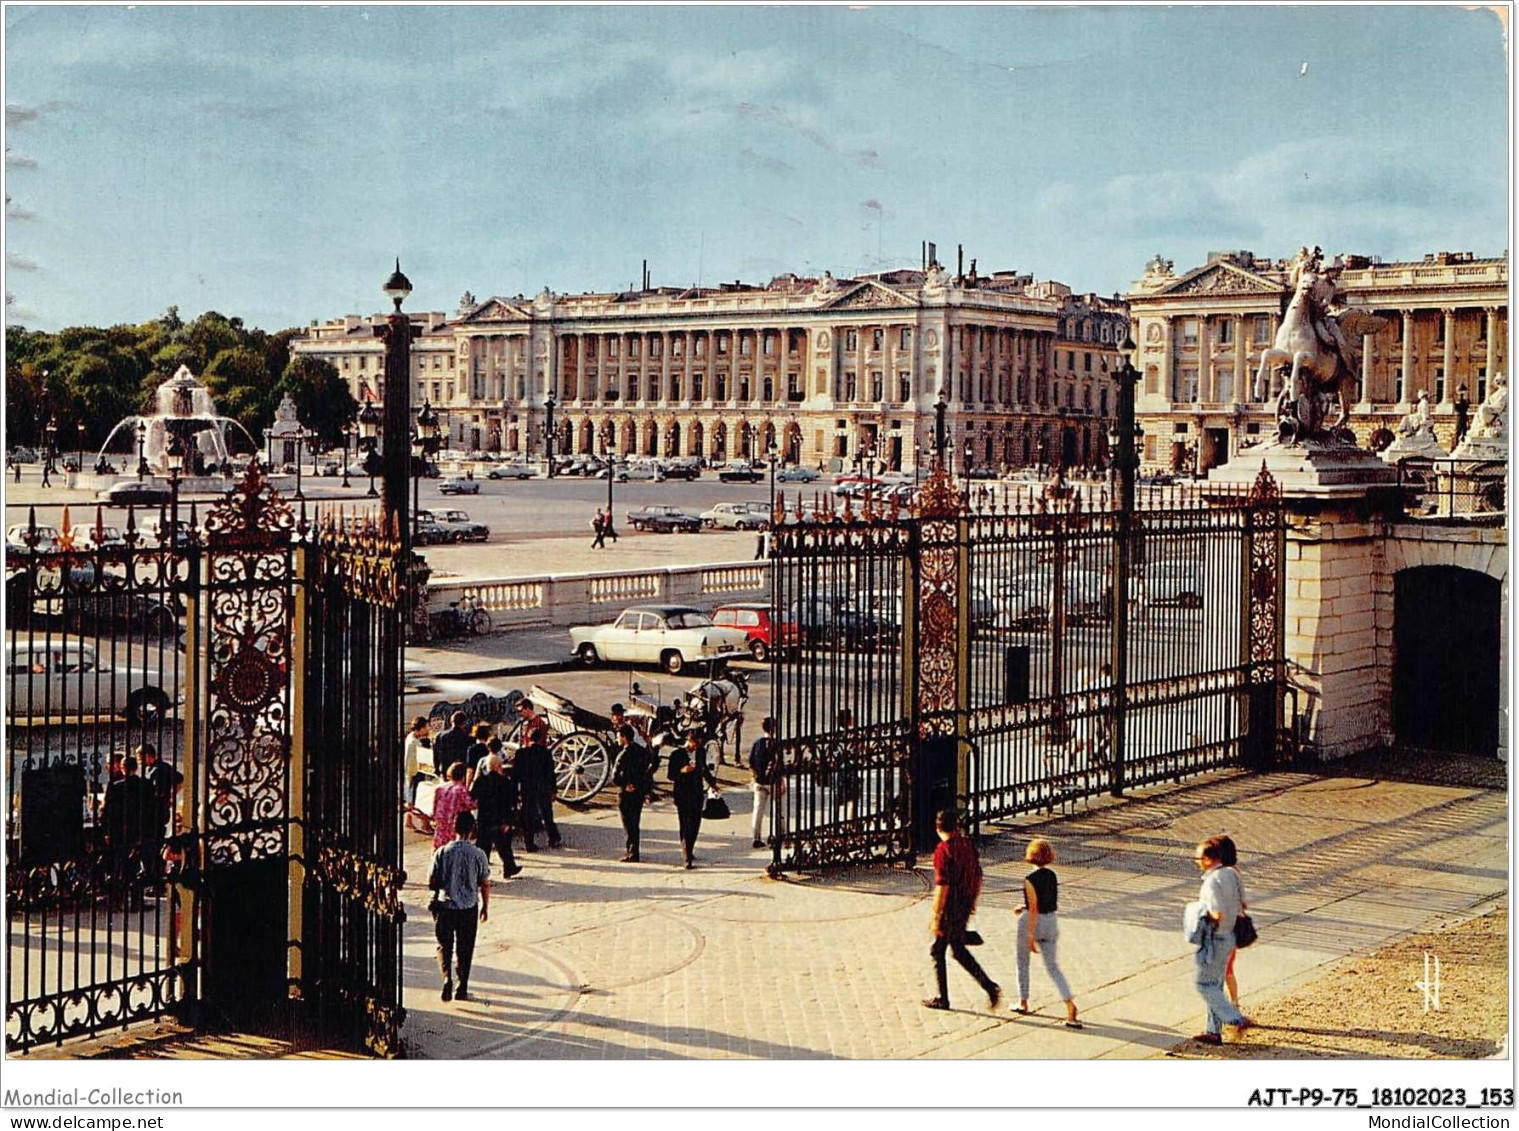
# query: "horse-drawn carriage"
583,743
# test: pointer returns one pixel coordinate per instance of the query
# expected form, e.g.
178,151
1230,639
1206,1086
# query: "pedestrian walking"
1041,901
691,776
1209,925
461,883
599,525
451,745
448,803
164,779
632,776
495,792
768,785
417,753
535,778
957,885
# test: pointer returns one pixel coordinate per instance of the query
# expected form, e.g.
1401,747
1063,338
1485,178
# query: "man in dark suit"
165,781
131,810
452,745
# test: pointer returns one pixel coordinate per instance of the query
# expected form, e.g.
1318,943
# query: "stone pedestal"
1336,499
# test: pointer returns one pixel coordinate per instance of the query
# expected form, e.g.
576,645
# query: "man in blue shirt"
460,882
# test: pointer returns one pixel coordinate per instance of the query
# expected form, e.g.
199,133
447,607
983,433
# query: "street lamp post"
965,467
174,461
79,456
142,444
394,467
424,444
917,464
369,423
940,406
550,436
51,432
300,436
348,431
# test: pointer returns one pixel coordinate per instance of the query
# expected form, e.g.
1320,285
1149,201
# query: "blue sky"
270,162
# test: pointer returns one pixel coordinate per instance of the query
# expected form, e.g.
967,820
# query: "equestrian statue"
1313,356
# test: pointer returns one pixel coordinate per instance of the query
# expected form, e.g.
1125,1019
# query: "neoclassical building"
1200,335
827,369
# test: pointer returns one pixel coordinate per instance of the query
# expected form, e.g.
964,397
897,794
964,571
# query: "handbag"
716,809
437,904
1244,931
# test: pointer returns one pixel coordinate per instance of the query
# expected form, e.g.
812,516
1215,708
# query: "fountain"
184,409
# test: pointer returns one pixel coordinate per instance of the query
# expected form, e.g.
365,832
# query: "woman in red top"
957,884
449,802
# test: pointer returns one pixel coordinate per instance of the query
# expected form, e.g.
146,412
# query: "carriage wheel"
582,765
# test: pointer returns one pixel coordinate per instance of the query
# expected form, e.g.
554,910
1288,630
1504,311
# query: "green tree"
240,385
321,396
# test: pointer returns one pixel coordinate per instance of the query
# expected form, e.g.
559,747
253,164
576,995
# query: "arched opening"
672,439
794,444
696,440
1446,638
587,437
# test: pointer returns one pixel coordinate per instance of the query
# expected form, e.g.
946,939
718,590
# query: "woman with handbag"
1230,859
1220,902
690,775
1041,900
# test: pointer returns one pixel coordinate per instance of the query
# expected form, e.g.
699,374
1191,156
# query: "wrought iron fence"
1015,652
253,665
96,851
1454,488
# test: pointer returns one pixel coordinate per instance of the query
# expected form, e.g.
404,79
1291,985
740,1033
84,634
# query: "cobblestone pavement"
586,957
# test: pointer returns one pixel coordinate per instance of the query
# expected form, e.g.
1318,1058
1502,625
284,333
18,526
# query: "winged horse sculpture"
1313,354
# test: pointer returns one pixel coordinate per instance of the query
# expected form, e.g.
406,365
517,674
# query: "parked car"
1176,583
16,539
165,531
42,676
739,471
687,469
105,538
663,519
459,526
23,455
137,494
671,636
640,472
824,622
763,635
798,474
431,532
153,615
737,516
454,485
511,471
858,486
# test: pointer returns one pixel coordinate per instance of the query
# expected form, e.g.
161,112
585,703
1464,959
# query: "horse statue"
1313,355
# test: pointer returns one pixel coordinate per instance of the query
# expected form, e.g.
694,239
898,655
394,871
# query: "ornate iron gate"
262,665
1027,651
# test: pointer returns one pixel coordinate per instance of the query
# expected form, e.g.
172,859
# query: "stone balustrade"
560,600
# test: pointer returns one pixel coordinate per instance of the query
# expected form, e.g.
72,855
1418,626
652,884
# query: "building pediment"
870,296
495,310
1221,279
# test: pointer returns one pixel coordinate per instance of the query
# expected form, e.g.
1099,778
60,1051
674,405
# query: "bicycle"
465,617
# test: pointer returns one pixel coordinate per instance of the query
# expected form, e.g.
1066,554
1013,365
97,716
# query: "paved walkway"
586,957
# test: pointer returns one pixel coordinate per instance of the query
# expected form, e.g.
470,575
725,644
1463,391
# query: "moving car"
737,516
43,677
135,494
739,471
511,471
798,474
671,636
753,619
431,532
687,469
663,519
454,485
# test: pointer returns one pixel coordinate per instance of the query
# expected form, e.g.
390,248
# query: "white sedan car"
671,636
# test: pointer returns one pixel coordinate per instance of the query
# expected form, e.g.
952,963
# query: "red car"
753,619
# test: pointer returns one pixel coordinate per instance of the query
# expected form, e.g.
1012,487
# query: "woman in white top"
1222,899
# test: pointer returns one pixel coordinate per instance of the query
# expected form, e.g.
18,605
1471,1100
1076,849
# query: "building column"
1241,363
1407,359
1364,401
1492,347
1448,361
